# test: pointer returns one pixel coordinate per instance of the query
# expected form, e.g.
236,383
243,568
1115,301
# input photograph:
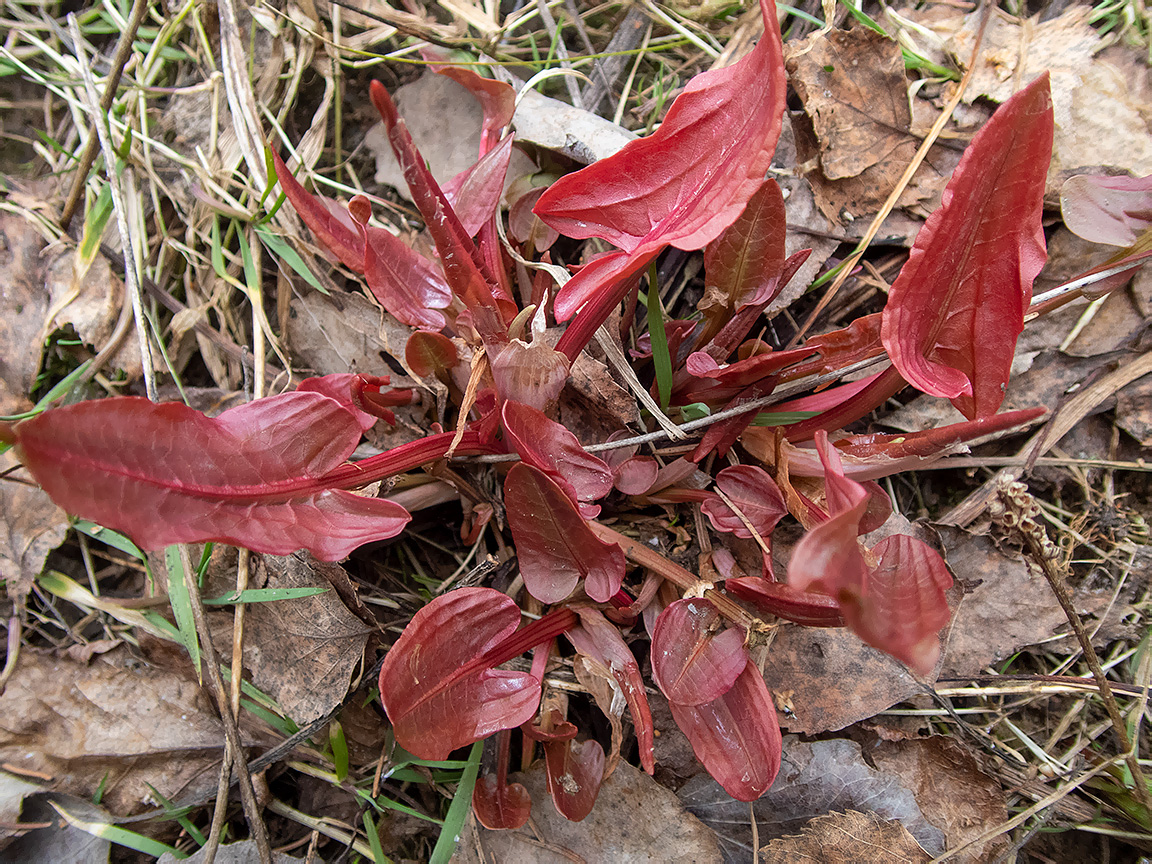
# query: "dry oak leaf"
31,526
847,838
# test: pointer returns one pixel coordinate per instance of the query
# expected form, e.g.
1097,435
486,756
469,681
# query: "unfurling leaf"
736,737
254,476
500,807
892,595
693,660
436,686
956,309
554,545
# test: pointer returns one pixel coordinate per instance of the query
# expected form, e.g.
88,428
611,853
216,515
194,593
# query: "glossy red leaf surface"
687,182
956,309
436,689
325,218
600,641
575,770
742,263
1112,210
500,807
780,599
754,491
253,477
736,737
549,446
555,547
903,605
694,659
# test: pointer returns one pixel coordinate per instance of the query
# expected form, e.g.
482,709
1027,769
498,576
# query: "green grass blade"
264,595
119,836
458,809
279,247
106,535
661,359
374,840
339,746
180,599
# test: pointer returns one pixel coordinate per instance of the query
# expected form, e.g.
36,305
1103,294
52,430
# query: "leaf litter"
303,656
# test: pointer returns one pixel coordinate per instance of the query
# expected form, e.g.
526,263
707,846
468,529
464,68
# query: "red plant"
272,475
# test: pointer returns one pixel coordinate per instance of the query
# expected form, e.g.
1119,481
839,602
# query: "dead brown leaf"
847,838
635,819
1003,609
23,305
31,526
115,722
815,778
857,125
90,300
1134,410
61,841
1101,118
302,652
950,789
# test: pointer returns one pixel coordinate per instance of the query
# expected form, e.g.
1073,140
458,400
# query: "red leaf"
867,457
1112,210
736,737
430,354
599,640
500,807
458,254
754,491
635,475
338,386
681,186
690,180
406,283
330,222
552,448
745,259
902,606
554,544
956,309
497,99
693,661
575,770
802,607
475,192
435,684
253,477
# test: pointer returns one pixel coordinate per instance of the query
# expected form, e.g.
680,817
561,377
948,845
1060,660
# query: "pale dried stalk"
1015,509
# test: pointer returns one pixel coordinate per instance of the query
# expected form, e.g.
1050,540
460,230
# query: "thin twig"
119,61
231,732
